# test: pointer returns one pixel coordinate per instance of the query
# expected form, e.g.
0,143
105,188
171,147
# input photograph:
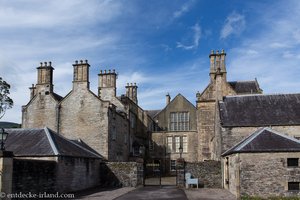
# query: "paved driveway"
154,192
209,194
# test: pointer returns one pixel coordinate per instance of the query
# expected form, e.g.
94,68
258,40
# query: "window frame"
179,121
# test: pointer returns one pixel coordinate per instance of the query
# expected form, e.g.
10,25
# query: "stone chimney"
107,84
44,78
81,74
217,64
131,92
32,91
168,99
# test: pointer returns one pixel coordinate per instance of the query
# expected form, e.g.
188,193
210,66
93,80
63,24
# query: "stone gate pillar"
6,173
180,167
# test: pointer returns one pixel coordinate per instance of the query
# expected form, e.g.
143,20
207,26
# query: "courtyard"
157,192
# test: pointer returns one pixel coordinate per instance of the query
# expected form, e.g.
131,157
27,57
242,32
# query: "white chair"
190,181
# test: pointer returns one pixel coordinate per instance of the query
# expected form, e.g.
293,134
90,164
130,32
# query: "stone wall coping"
8,154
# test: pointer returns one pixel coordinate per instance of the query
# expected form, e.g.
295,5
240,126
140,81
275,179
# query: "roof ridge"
50,139
250,138
241,81
271,94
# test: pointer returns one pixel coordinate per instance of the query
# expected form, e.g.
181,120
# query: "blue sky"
162,45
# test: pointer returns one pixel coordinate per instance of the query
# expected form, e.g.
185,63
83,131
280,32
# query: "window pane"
169,144
184,144
177,143
293,162
293,185
173,164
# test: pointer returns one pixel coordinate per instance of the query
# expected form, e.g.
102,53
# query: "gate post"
180,175
6,173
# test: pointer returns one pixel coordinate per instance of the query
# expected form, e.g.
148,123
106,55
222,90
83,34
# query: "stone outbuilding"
47,162
264,164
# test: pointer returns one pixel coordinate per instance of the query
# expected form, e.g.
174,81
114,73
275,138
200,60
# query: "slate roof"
245,87
260,110
57,97
152,113
44,143
265,140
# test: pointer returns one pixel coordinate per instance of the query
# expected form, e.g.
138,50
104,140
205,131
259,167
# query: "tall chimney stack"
168,99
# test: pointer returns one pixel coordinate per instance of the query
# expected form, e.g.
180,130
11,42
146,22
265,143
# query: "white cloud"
234,25
196,30
183,9
56,13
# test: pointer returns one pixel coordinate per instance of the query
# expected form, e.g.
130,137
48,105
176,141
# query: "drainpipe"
57,118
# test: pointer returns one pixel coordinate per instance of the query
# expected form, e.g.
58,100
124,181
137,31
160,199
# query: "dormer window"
179,121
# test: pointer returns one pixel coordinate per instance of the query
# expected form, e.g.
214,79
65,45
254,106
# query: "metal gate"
153,173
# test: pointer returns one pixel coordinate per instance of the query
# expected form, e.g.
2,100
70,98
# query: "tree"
5,101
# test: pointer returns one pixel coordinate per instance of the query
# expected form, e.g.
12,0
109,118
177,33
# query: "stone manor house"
253,135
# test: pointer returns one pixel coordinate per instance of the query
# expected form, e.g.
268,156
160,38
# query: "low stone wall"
33,176
208,172
75,174
122,174
63,174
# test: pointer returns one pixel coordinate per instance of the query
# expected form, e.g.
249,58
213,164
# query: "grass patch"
269,198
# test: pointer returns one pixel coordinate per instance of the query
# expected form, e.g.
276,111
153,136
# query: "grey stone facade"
163,133
267,177
109,124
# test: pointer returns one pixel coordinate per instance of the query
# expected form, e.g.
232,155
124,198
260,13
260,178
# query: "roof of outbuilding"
265,140
260,110
245,87
44,142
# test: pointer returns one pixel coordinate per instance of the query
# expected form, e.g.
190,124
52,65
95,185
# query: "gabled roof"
44,143
265,140
245,87
173,100
260,110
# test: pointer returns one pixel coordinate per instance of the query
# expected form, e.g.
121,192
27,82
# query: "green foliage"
269,198
5,101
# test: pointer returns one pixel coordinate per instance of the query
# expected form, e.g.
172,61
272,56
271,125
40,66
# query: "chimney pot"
86,61
76,61
41,64
81,61
50,63
45,64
